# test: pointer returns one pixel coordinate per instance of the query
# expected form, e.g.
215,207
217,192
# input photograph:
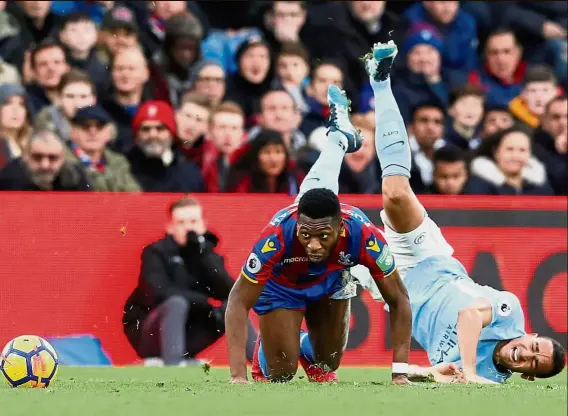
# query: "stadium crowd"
224,96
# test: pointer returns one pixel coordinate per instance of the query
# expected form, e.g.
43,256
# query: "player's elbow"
396,191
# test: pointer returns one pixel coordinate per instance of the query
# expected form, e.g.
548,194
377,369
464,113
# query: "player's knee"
282,371
331,362
396,190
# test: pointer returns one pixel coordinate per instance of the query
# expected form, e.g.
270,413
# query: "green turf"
189,391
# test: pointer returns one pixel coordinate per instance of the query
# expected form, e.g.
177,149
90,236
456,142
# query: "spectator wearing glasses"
108,171
42,167
156,163
208,78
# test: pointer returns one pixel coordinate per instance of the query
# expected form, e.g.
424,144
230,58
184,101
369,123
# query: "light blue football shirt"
438,288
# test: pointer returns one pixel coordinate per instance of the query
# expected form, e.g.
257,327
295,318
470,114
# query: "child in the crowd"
292,70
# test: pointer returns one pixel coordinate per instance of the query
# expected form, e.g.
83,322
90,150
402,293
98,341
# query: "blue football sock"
391,139
306,349
262,360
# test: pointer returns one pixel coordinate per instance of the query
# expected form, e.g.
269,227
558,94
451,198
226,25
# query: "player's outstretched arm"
395,295
242,298
471,321
440,373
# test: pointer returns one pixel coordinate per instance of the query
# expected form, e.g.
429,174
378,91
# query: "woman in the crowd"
14,122
506,166
264,166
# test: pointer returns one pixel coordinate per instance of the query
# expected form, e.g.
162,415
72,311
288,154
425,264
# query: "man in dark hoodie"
180,51
253,79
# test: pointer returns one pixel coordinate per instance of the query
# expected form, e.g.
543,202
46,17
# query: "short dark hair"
558,359
182,203
76,76
502,31
294,49
427,104
77,17
319,203
465,91
561,97
47,43
450,153
539,73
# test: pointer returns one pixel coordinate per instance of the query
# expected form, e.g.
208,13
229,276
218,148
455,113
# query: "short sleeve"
266,253
375,253
508,320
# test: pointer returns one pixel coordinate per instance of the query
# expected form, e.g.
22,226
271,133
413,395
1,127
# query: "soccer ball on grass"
28,361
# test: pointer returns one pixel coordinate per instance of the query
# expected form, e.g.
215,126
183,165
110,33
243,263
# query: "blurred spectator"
178,307
253,78
466,113
424,79
118,30
193,120
10,43
426,135
324,74
361,173
541,26
76,91
49,64
539,87
14,122
496,117
8,73
505,164
279,112
130,88
107,171
79,36
94,9
42,167
156,163
350,28
550,143
181,49
458,29
208,78
503,71
226,134
37,23
283,22
292,70
265,167
451,173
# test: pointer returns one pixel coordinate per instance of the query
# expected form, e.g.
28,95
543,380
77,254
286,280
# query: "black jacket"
168,269
13,177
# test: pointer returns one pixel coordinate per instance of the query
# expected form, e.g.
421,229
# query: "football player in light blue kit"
477,331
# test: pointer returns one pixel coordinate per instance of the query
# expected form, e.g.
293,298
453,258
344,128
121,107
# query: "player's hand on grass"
400,379
475,379
447,373
239,380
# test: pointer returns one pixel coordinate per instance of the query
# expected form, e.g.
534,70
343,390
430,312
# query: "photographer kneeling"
178,307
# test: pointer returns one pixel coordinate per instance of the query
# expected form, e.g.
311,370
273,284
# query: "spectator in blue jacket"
458,29
503,73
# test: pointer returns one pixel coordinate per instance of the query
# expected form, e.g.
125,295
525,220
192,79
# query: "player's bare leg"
404,211
342,138
280,348
328,325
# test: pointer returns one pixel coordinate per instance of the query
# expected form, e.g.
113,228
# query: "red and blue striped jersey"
278,254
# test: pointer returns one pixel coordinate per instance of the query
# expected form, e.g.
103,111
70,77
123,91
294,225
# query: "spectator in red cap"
156,164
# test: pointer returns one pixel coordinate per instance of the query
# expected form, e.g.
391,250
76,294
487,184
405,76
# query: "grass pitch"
155,391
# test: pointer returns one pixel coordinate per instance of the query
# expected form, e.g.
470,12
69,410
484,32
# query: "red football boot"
256,371
316,374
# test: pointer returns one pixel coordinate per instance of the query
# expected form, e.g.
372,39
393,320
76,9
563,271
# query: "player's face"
318,236
529,355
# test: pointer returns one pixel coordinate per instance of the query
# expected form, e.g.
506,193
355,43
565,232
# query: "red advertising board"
69,261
